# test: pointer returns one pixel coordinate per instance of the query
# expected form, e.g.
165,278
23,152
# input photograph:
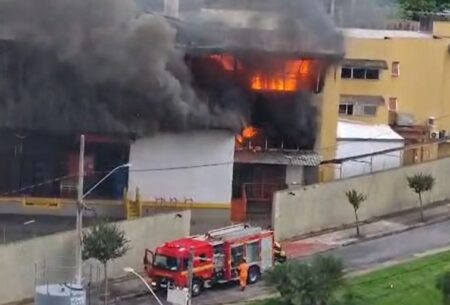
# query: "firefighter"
243,274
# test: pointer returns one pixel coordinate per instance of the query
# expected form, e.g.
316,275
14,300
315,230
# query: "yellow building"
386,75
387,72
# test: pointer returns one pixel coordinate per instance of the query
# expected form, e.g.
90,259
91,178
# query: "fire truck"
216,257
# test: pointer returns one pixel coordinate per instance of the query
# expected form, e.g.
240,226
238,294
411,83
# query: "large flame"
286,80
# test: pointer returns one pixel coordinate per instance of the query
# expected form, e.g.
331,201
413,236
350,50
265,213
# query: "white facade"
194,167
356,139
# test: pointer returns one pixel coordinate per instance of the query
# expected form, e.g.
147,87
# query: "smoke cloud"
97,64
106,65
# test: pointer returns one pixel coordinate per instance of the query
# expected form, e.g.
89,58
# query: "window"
393,104
360,73
396,69
166,262
346,72
369,110
372,74
357,109
346,108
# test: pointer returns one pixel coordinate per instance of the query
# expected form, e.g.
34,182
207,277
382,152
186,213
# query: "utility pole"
80,207
190,274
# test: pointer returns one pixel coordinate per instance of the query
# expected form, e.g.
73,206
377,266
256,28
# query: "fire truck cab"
216,254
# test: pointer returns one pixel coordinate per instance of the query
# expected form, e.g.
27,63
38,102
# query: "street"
356,257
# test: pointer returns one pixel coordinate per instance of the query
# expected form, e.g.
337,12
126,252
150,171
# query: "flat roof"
348,130
383,34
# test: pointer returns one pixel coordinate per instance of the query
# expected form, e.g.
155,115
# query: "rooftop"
383,34
360,131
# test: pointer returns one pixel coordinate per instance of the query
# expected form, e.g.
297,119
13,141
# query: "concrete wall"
204,185
318,207
17,260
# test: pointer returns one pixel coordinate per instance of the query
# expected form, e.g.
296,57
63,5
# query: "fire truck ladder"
234,231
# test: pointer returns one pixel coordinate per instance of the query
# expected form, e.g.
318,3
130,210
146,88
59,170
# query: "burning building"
224,103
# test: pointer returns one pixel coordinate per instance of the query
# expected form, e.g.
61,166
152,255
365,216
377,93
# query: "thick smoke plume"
105,65
97,65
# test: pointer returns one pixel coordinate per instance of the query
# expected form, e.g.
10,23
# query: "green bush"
307,284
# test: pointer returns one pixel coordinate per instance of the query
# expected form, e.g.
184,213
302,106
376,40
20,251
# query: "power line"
60,178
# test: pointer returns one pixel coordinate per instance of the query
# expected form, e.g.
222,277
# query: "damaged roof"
302,158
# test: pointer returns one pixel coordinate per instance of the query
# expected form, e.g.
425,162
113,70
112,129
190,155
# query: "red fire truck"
216,254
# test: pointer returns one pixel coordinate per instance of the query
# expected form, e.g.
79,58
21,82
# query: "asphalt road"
356,257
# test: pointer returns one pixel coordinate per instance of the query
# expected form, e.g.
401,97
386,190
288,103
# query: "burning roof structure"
105,66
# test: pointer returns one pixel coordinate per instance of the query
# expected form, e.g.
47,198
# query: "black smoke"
107,66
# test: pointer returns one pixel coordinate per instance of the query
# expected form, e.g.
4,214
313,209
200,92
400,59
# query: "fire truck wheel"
253,275
197,286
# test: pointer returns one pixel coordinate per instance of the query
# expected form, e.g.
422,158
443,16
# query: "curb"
394,232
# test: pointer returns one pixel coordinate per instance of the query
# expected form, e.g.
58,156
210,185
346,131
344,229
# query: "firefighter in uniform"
243,274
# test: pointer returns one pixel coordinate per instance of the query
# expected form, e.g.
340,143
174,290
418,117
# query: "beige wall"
324,206
328,109
17,260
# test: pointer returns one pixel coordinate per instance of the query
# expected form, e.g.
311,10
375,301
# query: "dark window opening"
346,109
372,74
359,73
346,72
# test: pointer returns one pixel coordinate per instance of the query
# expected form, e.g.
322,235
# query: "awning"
376,100
364,63
306,158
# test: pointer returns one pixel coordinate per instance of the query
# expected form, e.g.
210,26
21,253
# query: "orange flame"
246,134
249,132
287,80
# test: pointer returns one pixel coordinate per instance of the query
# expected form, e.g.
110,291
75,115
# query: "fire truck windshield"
166,262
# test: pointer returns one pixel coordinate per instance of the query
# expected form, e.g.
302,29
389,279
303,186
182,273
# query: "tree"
410,8
356,199
307,284
443,284
105,242
420,183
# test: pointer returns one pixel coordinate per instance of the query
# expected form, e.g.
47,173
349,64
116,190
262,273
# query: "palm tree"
420,183
356,199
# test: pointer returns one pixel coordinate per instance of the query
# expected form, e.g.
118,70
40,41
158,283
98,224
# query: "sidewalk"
377,228
296,249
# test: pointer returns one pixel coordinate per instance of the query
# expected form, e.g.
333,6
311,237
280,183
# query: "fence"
60,271
384,160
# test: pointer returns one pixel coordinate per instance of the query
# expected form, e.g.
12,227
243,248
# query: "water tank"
60,294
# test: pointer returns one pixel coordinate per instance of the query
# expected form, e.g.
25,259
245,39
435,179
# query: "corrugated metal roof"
304,158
